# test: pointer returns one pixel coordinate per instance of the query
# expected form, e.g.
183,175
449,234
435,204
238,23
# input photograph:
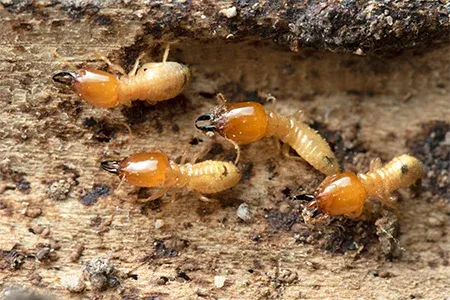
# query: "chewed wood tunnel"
247,122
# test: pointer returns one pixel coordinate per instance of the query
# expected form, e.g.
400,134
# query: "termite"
153,82
346,193
153,169
246,122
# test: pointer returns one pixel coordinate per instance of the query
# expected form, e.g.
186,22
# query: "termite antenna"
112,66
221,98
238,150
119,185
272,99
112,166
166,53
63,60
66,78
130,135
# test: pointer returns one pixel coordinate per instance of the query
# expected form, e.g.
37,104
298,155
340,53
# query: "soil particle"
431,147
59,190
281,221
243,212
43,253
162,280
33,212
11,260
246,170
140,112
23,186
98,191
101,273
76,253
168,248
36,229
73,283
182,276
102,130
387,229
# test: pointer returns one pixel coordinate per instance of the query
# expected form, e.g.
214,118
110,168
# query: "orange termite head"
146,169
95,87
242,122
340,194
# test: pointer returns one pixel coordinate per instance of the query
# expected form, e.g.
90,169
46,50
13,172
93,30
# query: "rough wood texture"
55,200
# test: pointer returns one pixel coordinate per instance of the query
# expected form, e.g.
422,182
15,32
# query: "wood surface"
382,91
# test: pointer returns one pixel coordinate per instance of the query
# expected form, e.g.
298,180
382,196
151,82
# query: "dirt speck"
102,129
281,221
76,253
432,147
246,170
11,259
387,229
101,273
98,191
73,283
162,280
59,189
23,186
33,212
43,253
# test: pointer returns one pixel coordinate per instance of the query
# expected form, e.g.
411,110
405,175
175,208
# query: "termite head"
141,169
340,194
95,87
242,122
206,123
112,166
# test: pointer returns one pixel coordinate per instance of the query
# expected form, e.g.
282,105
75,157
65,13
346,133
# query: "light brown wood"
53,142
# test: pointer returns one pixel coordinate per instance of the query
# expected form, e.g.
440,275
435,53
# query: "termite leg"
319,219
238,151
166,53
300,116
63,60
387,200
220,97
136,64
120,184
277,144
202,197
355,214
112,66
130,136
174,195
273,100
375,164
157,194
285,151
184,156
199,154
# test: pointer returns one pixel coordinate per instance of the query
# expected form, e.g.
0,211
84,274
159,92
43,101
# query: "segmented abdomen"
154,82
305,141
210,176
400,172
